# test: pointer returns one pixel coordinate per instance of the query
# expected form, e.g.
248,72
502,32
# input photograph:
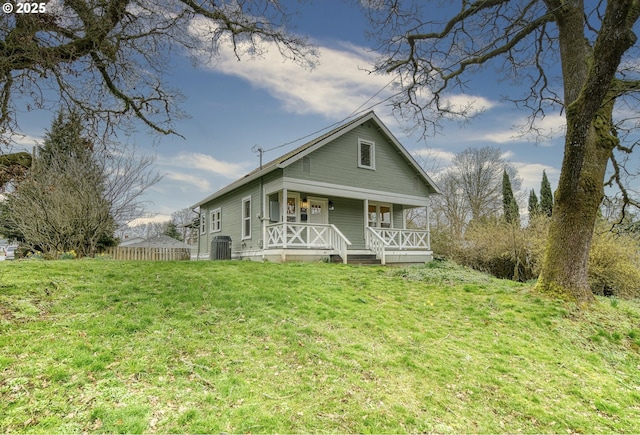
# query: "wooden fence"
148,254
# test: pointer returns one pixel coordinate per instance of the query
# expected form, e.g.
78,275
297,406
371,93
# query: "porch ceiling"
337,190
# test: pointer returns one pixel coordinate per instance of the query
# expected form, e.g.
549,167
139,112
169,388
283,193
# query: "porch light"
304,203
331,205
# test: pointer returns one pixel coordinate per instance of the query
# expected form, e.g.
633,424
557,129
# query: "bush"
614,264
502,249
508,251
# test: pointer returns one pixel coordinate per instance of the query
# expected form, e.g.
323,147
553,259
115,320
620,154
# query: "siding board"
337,162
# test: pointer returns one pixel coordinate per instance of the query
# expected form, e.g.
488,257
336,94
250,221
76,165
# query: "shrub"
614,264
508,251
503,249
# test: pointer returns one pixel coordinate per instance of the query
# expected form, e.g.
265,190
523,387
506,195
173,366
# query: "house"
158,241
340,196
127,241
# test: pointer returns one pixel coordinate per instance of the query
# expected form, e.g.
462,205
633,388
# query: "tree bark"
589,77
577,199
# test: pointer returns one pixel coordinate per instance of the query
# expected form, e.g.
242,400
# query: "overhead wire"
358,110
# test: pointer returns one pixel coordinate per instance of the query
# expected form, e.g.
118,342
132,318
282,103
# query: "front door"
318,211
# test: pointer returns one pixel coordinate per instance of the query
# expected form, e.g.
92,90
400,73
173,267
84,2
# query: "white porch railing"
310,236
405,239
381,240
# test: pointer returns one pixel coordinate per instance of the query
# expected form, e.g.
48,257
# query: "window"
203,226
292,209
216,220
246,217
379,215
366,154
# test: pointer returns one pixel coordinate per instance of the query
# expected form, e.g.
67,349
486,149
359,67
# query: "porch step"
357,259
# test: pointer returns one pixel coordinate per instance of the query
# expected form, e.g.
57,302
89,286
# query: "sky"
234,106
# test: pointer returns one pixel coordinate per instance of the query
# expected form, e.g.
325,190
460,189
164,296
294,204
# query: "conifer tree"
61,205
510,206
534,205
546,197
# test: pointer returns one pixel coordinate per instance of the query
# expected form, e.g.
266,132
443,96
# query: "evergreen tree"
534,205
509,204
61,205
546,197
171,230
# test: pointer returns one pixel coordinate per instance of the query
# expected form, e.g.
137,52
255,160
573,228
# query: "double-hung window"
366,154
246,217
216,220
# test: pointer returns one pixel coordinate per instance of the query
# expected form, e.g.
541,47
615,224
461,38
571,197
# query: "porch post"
284,222
366,216
426,210
263,220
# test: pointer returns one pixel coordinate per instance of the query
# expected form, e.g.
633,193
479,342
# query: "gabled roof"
309,147
159,241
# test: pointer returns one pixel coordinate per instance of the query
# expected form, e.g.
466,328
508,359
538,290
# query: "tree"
171,230
479,179
509,203
187,221
13,169
108,58
74,196
527,39
534,206
449,210
546,197
60,206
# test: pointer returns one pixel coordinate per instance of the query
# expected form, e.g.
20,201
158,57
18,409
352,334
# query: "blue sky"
268,102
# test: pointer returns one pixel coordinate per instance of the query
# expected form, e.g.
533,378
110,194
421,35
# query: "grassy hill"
210,347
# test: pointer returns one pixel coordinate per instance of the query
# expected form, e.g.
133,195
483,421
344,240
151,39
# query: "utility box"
220,248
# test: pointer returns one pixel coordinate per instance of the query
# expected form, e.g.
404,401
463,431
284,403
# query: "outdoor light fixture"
331,205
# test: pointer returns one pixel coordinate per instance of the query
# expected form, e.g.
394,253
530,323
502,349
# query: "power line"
353,114
358,110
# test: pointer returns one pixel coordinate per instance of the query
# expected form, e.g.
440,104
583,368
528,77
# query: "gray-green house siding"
337,163
326,170
231,219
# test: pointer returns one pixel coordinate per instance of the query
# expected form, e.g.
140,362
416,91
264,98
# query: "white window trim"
203,223
296,198
377,205
373,154
213,220
244,218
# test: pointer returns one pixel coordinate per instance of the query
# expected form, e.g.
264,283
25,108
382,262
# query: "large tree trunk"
577,199
589,92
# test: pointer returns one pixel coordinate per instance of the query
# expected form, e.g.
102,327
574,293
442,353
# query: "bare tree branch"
109,58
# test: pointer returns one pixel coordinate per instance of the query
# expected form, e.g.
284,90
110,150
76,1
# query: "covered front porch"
297,241
317,225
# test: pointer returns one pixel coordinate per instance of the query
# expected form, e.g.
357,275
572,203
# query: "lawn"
209,347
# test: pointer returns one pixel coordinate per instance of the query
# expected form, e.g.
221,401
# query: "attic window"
366,154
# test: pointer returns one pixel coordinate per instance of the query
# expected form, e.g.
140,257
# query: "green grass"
209,347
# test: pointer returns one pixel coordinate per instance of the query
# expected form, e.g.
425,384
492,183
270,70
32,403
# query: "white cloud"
470,104
531,175
207,163
435,153
160,218
340,83
195,180
551,126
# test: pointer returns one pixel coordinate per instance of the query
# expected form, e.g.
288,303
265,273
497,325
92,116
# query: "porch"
286,241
